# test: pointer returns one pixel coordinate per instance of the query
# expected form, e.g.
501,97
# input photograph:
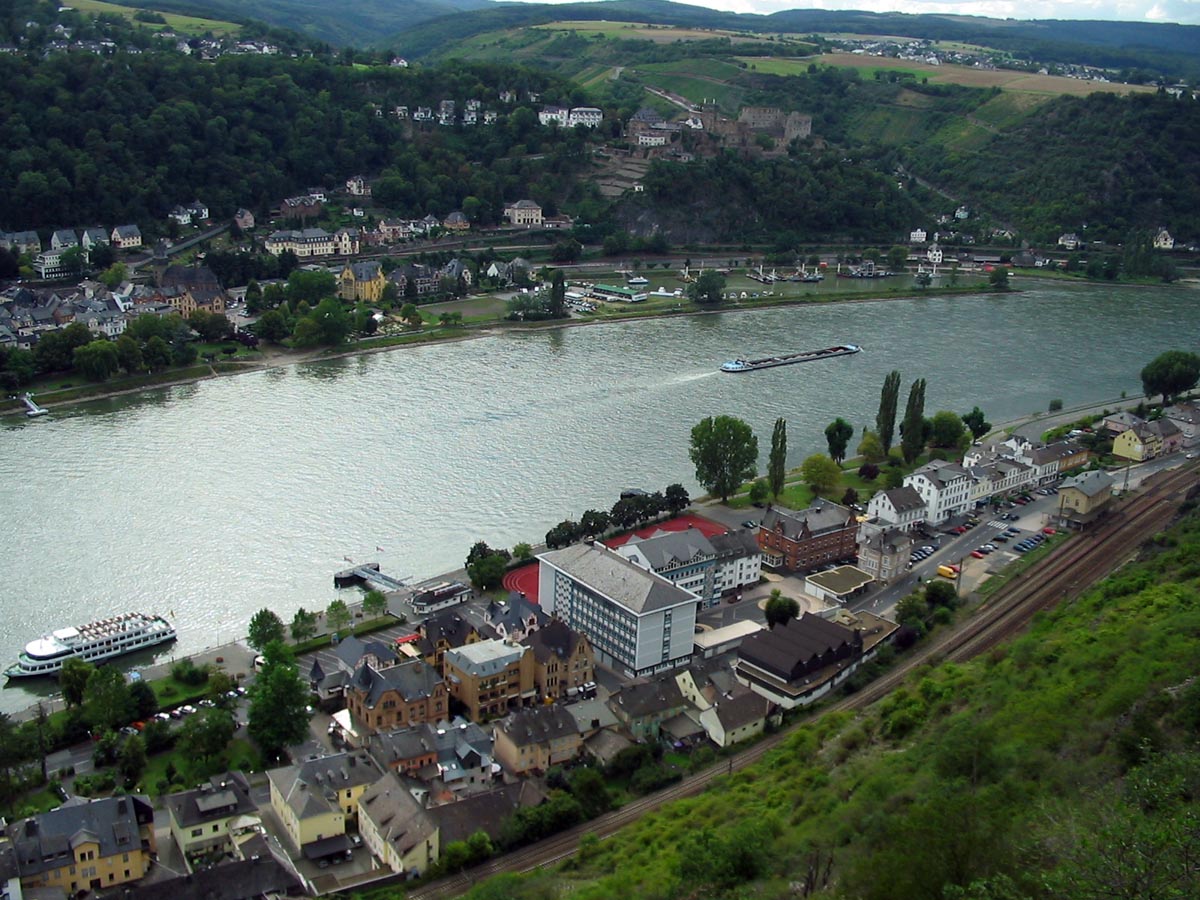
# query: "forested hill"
91,140
1114,163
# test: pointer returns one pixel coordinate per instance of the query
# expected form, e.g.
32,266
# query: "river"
212,500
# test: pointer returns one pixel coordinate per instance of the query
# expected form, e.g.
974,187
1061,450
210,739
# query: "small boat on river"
787,359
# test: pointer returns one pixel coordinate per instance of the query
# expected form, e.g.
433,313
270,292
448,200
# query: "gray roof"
128,231
524,204
741,708
351,650
784,648
396,814
664,549
263,875
941,472
516,613
485,658
537,725
904,499
223,796
1089,483
555,639
735,544
1041,456
819,518
365,271
311,787
483,812
647,697
1164,428
46,841
610,574
392,747
894,540
414,680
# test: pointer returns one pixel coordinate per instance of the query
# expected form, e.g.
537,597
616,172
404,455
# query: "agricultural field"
1005,79
659,34
191,25
695,88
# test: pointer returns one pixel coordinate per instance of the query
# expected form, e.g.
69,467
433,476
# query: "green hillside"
1062,766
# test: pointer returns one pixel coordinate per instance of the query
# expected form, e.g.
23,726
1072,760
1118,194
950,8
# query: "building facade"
801,540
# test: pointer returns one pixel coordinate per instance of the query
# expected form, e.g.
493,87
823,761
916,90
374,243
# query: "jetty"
32,409
369,574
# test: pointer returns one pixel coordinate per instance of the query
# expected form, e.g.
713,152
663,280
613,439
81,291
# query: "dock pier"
369,574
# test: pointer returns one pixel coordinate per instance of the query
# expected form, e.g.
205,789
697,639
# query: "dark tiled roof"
735,544
819,518
248,879
223,796
647,698
537,725
45,841
555,639
483,812
787,647
414,680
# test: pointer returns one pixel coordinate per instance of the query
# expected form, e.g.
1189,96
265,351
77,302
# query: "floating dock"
369,574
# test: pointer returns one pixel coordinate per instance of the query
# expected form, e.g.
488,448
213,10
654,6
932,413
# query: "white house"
637,621
900,507
585,115
934,254
1163,240
739,561
126,237
917,236
554,114
944,486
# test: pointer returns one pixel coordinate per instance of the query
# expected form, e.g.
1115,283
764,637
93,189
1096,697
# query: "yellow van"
947,572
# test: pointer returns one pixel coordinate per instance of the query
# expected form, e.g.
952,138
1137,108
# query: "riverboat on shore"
768,362
94,642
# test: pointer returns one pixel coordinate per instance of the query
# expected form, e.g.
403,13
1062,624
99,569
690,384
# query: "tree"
625,513
948,429
724,451
337,616
410,315
975,421
73,678
837,436
129,354
780,609
1170,373
923,280
998,279
820,473
777,461
143,699
677,499
487,573
265,627
708,289
304,625
205,737
522,551
850,498
278,713
106,700
272,326
112,277
941,593
760,492
870,448
912,429
897,258
885,419
375,604
157,354
594,522
132,760
911,610
558,296
97,361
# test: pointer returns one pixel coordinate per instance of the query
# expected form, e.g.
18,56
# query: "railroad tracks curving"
1075,565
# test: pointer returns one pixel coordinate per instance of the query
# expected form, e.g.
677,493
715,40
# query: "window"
216,828
196,832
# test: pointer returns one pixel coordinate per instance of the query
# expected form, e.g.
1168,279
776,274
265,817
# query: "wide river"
212,500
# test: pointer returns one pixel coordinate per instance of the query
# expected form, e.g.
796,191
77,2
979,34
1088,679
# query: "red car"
1049,531
977,554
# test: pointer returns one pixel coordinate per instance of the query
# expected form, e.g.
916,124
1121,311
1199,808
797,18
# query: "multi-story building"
304,242
802,540
87,846
315,799
405,694
637,621
523,212
533,740
588,116
490,677
362,281
945,487
201,819
739,562
1083,498
562,659
443,632
883,553
684,558
901,507
396,828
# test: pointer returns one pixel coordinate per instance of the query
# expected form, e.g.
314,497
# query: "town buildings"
490,677
802,540
534,739
637,621
405,694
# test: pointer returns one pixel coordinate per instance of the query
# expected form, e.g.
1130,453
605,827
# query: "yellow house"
1137,443
1082,498
533,740
202,819
86,846
315,800
363,281
396,828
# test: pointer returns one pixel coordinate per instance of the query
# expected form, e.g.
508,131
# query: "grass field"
694,88
700,67
181,24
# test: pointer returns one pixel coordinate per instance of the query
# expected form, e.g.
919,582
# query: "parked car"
977,554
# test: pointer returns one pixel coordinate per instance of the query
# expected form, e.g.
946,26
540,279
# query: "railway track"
1075,565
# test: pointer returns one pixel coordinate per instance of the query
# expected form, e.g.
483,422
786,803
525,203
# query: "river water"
215,499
